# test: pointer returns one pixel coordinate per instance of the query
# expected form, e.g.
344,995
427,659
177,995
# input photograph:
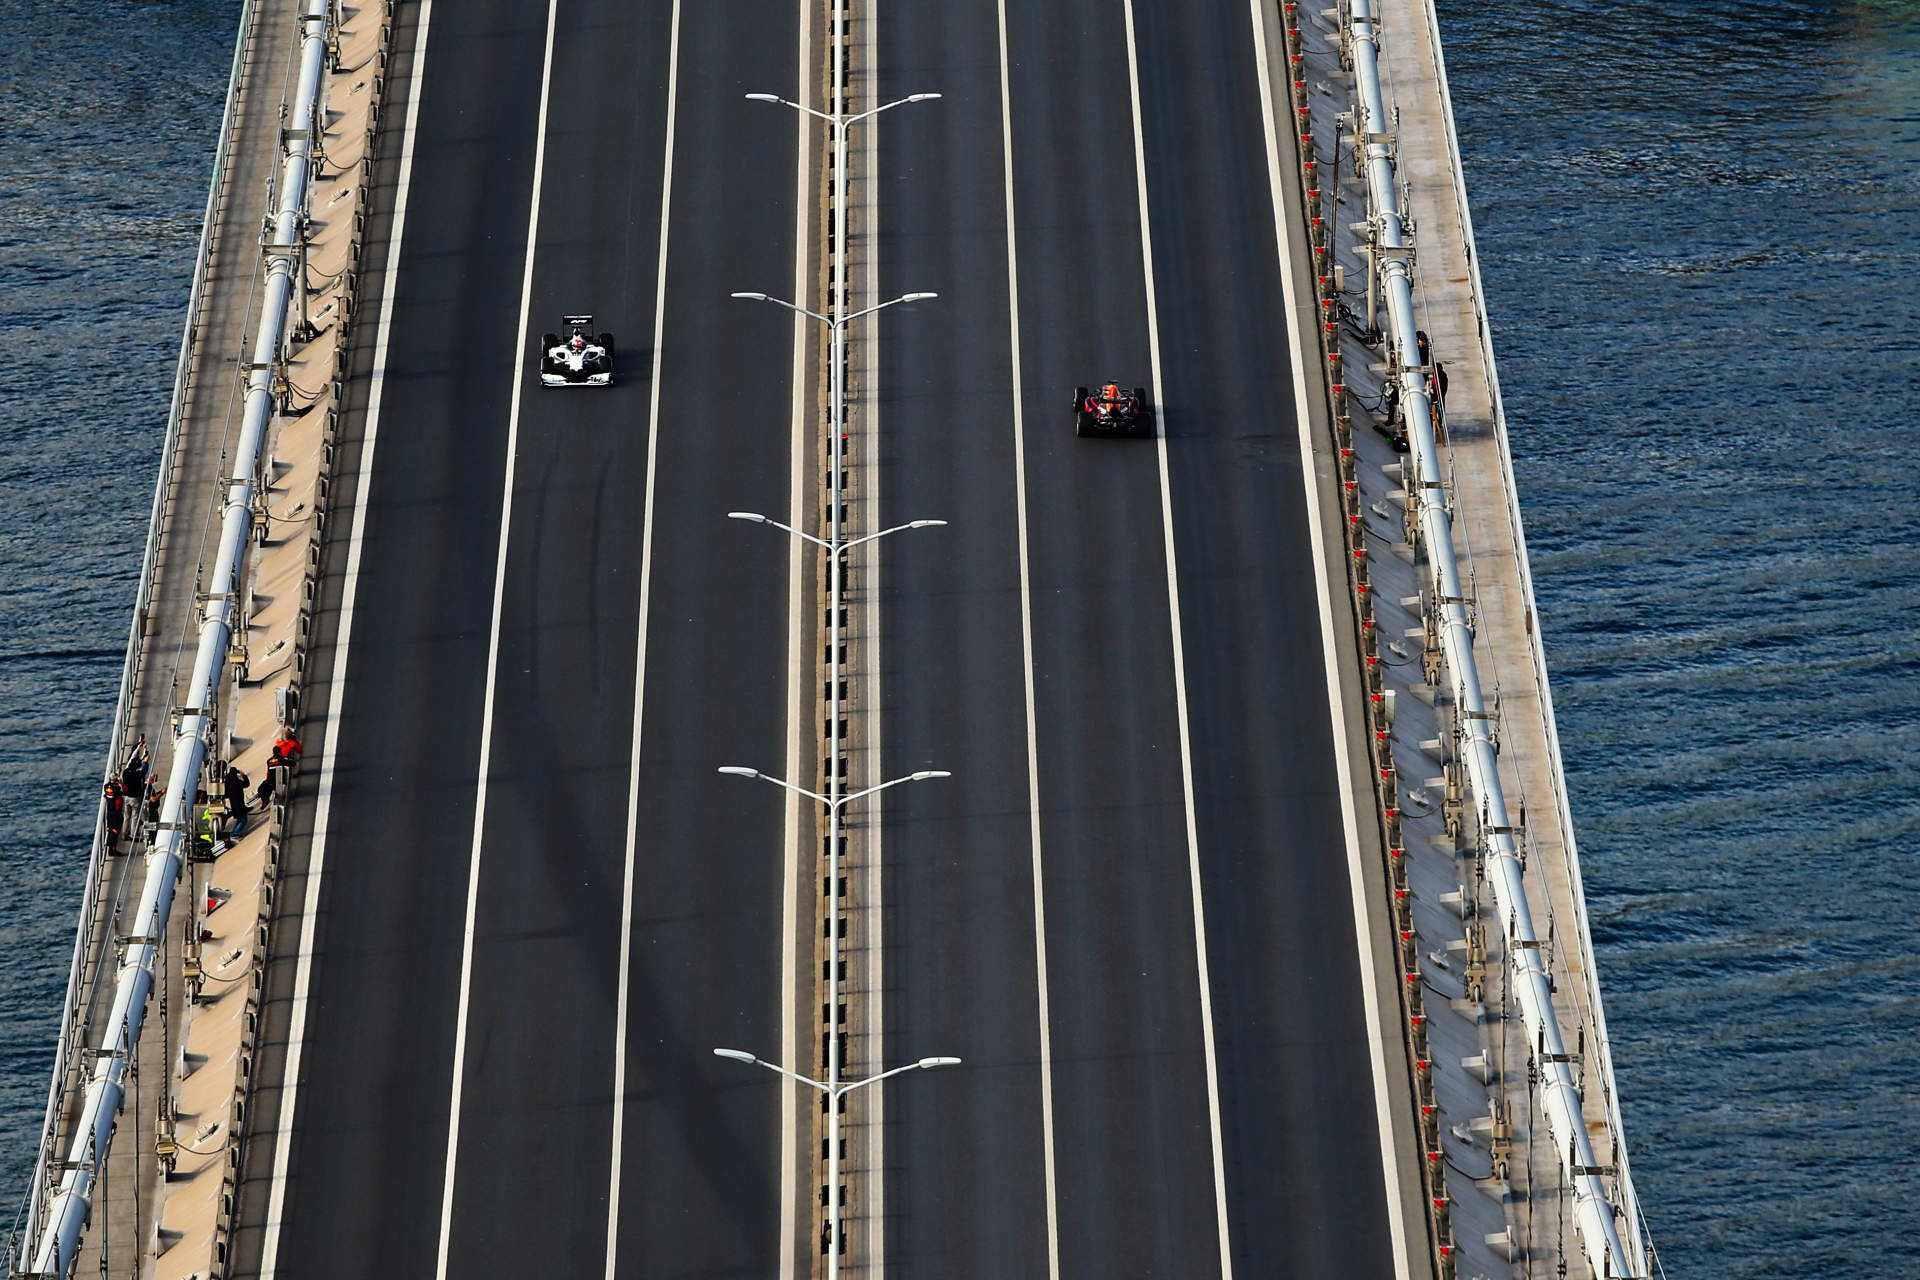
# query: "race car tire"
1079,399
606,340
548,341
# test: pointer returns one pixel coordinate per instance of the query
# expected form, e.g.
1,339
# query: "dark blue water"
108,115
1697,223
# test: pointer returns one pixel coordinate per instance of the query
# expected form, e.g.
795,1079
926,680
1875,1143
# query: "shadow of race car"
576,360
1113,410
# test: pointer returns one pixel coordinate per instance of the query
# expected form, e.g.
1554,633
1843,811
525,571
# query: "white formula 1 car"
576,360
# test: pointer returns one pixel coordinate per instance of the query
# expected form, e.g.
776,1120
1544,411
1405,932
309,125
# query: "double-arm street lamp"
834,118
834,1092
832,320
830,545
834,803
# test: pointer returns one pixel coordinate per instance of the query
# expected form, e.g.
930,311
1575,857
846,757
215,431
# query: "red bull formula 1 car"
1113,410
577,360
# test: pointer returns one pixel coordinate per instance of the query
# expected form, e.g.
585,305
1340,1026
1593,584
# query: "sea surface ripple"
1697,230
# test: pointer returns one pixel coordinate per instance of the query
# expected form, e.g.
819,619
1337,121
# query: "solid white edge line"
493,658
1026,653
640,655
1179,668
797,870
875,1100
1370,994
323,803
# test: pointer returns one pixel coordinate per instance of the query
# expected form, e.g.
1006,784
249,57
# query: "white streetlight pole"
835,800
827,544
834,1092
844,1087
833,803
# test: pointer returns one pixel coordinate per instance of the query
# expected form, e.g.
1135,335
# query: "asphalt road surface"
1129,910
553,677
1137,1169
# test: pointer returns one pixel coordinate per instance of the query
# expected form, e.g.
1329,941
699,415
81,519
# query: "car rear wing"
581,322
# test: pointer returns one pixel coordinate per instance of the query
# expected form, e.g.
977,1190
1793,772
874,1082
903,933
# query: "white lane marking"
1302,355
799,861
1026,654
493,657
874,877
350,593
1179,668
640,655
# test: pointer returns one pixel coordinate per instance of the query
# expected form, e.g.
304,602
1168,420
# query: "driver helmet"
577,343
1111,391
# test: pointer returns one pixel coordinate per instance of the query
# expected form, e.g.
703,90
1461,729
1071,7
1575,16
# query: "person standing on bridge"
1436,386
235,783
286,754
263,794
133,773
206,833
155,794
116,806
